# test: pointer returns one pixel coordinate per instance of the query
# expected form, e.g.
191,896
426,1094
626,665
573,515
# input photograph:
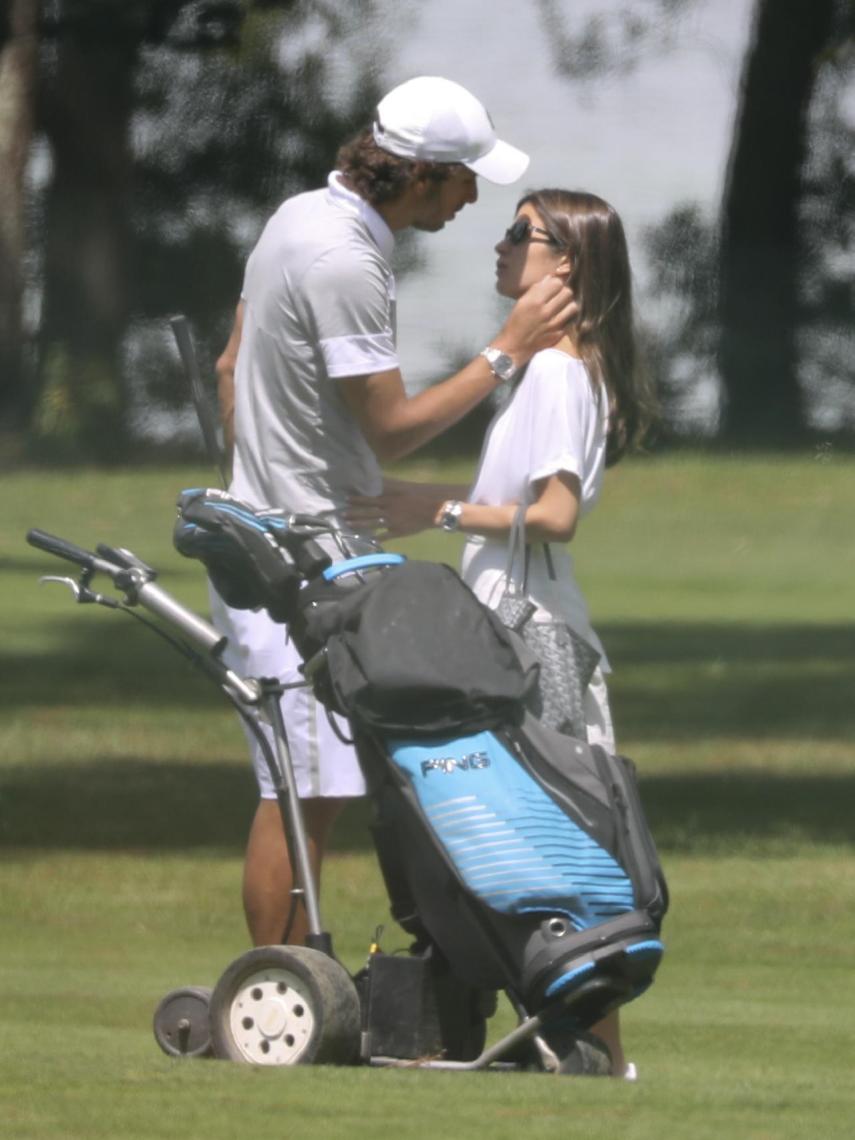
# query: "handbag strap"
517,546
517,542
550,565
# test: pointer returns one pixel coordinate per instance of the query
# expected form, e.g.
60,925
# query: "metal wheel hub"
271,1018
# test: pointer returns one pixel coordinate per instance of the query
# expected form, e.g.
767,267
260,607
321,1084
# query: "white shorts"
598,717
258,647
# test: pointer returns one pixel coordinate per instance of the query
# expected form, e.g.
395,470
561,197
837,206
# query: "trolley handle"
134,578
62,548
165,606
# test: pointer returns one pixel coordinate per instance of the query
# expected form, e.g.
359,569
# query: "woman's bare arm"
407,508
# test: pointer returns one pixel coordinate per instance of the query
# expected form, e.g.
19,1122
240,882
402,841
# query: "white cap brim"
501,164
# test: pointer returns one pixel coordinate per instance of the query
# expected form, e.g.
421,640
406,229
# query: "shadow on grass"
128,803
167,806
103,659
684,681
672,683
740,812
670,643
691,681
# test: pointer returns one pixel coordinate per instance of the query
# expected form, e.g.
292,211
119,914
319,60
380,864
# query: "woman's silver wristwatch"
449,515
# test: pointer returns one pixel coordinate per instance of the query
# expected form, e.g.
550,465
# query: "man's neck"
397,214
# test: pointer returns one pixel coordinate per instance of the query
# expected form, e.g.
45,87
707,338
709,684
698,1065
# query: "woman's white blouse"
552,422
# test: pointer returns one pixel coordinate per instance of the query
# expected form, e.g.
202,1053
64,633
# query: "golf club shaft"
181,332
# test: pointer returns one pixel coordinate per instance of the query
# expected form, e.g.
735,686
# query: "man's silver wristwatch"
449,515
501,364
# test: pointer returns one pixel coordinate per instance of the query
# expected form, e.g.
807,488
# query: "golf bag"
521,854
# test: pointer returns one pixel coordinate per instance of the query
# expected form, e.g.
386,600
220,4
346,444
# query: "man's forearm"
413,421
225,370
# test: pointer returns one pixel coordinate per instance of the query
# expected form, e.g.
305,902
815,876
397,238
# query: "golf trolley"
285,1004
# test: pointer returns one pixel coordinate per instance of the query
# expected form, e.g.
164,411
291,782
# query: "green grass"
724,589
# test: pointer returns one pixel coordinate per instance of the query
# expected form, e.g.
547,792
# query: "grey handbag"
567,661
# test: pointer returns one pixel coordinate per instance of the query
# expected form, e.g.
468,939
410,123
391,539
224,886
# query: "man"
312,396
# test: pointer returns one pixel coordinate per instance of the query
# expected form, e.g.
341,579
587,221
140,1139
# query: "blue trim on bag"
256,519
652,945
569,978
363,562
267,524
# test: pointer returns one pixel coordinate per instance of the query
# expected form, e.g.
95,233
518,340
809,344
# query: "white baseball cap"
436,120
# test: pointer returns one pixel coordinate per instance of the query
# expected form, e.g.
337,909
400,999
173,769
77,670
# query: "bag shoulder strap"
550,565
517,542
517,546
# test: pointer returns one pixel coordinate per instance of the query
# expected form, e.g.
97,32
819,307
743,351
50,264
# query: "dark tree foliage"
680,334
17,84
173,128
194,24
826,341
613,42
761,246
88,65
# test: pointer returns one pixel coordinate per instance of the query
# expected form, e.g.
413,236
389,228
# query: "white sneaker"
630,1073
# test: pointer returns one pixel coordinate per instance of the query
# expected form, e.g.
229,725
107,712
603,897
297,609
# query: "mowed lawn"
724,589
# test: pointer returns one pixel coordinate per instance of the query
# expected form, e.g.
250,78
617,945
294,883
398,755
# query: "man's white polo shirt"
319,306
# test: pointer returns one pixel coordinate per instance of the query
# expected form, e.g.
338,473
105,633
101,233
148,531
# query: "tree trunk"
760,249
17,79
88,99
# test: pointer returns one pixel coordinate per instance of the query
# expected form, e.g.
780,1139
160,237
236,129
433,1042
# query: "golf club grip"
181,331
191,625
61,547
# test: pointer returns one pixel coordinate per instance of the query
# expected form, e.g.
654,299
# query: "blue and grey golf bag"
523,854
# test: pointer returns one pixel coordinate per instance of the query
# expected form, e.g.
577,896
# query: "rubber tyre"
285,1005
182,1023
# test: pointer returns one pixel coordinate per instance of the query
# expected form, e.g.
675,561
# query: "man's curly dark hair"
378,176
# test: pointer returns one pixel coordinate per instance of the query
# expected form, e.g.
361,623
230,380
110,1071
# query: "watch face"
451,516
503,366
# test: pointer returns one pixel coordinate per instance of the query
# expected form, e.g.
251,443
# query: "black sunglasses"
521,231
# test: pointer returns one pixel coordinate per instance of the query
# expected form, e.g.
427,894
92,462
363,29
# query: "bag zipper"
546,778
641,854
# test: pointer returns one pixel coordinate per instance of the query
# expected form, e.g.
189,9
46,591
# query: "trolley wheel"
182,1026
285,1005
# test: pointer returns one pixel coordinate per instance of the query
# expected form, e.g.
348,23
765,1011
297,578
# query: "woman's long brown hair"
591,232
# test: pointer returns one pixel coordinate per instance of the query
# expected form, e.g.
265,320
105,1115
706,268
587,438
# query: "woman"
577,407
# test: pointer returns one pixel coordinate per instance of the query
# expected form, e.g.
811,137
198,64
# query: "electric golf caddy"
516,858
